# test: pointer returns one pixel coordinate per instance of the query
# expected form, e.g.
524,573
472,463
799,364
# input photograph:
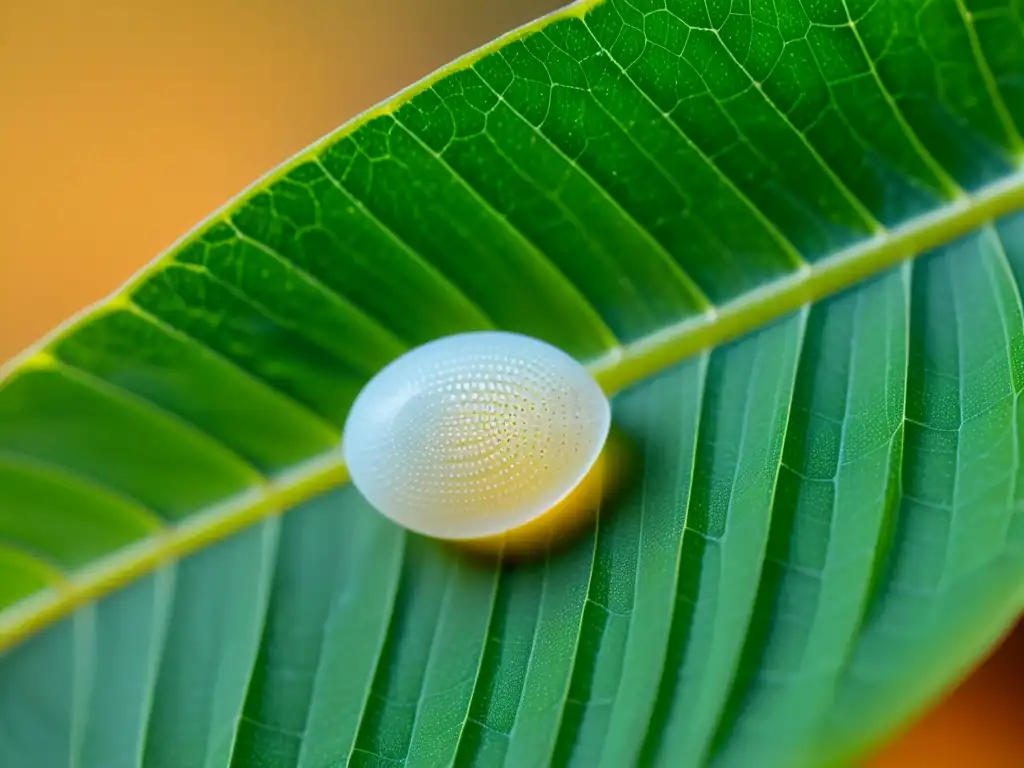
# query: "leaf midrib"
619,369
647,356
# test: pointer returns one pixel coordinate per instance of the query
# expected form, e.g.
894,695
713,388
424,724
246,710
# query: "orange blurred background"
123,122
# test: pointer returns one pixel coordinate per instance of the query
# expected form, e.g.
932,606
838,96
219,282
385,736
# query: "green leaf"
783,234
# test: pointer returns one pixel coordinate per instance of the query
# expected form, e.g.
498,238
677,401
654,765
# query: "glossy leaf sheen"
710,203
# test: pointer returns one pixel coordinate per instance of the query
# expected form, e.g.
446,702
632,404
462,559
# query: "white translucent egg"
475,434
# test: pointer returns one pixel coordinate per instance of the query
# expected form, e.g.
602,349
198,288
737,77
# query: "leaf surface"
783,235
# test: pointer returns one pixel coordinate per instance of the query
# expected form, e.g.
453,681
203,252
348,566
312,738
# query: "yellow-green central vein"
621,369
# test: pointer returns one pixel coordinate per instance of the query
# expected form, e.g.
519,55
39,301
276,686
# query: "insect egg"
474,435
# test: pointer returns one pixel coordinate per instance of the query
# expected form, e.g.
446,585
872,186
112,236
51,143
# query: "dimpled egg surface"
475,434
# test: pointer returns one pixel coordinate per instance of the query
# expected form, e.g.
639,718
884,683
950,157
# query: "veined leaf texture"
783,234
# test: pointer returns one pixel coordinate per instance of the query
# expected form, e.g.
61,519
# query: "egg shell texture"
475,434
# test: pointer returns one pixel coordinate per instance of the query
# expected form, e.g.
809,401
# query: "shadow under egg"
572,516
